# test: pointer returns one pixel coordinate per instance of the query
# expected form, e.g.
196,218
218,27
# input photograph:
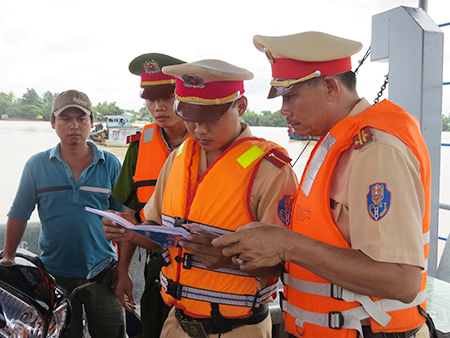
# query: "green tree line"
34,106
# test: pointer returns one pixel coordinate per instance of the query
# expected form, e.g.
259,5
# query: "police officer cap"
154,83
206,89
303,56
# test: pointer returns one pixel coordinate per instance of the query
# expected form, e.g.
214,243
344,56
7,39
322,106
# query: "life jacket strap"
334,319
178,290
351,318
189,261
336,292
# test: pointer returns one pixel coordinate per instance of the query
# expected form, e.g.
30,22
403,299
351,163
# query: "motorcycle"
32,305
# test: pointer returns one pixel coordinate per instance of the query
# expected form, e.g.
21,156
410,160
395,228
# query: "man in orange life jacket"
355,254
143,161
221,178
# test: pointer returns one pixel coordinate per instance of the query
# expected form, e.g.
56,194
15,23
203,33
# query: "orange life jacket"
153,153
218,200
312,306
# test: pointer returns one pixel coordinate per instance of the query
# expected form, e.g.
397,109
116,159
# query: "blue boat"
115,132
293,136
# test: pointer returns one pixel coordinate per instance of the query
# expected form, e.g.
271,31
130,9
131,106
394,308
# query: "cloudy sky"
87,44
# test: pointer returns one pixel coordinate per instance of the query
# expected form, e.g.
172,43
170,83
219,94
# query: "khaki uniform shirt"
270,186
397,237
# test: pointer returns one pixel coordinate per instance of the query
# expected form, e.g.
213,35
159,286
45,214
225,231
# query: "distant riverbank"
19,119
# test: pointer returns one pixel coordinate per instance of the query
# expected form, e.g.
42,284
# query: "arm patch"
362,137
133,138
277,158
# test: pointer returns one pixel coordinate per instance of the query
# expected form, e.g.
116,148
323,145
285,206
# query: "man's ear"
242,105
333,87
52,120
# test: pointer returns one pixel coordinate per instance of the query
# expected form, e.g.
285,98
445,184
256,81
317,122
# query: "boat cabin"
118,121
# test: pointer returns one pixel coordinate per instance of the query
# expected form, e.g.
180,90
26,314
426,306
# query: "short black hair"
348,79
235,102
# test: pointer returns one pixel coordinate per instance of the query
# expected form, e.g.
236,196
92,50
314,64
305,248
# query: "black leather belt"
202,327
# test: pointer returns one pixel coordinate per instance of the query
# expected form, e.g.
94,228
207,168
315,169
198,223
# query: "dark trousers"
105,315
153,309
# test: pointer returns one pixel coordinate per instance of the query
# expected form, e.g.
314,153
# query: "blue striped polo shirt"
71,239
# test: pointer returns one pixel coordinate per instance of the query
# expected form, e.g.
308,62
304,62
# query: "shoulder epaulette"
277,158
133,138
362,137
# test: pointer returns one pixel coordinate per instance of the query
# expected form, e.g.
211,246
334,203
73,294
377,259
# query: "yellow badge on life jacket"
180,149
250,156
362,137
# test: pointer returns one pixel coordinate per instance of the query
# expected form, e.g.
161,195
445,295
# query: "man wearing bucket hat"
221,178
145,157
354,255
61,182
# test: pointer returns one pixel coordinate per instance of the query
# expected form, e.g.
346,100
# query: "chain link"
383,87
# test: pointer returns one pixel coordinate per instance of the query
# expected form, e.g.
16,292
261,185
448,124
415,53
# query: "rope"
363,59
301,152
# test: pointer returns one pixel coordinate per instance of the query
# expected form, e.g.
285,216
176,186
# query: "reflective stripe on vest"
375,309
316,163
177,291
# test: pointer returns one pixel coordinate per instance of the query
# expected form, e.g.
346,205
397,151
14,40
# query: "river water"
19,140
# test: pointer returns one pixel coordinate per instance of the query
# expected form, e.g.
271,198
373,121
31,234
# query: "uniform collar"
362,105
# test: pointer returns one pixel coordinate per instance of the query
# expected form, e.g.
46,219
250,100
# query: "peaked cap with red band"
303,56
154,83
206,89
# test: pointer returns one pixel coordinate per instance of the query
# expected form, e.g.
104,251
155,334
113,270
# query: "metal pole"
424,5
401,33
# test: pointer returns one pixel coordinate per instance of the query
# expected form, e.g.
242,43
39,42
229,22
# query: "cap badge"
151,67
269,55
193,81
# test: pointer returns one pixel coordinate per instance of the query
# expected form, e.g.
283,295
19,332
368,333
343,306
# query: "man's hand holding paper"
122,227
113,230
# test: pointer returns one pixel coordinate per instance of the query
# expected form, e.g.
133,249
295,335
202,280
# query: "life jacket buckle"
174,289
335,320
187,260
158,261
336,292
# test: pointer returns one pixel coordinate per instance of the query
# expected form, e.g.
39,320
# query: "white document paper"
166,237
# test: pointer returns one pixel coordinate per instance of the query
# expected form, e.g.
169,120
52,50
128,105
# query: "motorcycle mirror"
99,270
2,318
96,274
